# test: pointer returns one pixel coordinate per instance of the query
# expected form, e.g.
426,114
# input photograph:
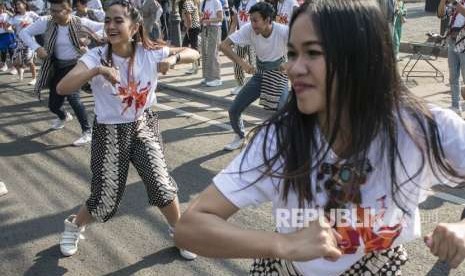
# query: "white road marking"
195,116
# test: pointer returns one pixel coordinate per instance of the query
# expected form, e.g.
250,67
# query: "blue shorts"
7,41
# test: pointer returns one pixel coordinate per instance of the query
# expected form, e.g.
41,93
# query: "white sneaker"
4,68
193,70
184,253
3,190
235,144
203,81
236,90
32,82
59,124
84,139
70,237
13,71
21,74
214,83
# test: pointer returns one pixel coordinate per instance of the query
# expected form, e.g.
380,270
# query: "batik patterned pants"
114,146
381,263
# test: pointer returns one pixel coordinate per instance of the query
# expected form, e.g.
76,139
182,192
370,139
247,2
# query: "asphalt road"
48,179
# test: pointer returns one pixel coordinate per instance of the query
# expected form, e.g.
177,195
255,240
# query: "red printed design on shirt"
4,25
374,240
243,16
24,23
206,15
130,95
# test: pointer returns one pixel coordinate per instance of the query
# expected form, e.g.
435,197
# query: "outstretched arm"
80,74
178,55
204,229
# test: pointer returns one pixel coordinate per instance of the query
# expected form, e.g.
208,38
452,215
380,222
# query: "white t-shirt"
115,104
269,48
375,192
459,21
4,22
243,16
284,11
20,22
210,10
64,48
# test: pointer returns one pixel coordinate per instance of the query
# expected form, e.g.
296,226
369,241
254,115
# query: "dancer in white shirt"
345,164
61,31
23,56
123,77
269,83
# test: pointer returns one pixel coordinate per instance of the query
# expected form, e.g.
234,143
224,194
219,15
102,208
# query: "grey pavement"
418,23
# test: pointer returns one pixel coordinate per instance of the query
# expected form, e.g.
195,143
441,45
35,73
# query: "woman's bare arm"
204,229
76,78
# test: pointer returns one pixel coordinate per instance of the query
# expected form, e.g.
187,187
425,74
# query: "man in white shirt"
269,40
63,50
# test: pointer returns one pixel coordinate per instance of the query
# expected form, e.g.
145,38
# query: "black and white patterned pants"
246,53
382,263
114,146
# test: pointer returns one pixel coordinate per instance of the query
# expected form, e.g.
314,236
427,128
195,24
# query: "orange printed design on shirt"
130,95
382,238
343,182
244,16
282,19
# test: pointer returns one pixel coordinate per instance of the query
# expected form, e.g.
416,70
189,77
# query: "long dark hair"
139,37
369,98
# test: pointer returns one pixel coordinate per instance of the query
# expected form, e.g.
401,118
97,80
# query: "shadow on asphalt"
431,203
440,268
164,256
194,176
26,145
46,263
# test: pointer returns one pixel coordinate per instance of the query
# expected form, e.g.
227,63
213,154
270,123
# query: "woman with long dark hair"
123,78
345,163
